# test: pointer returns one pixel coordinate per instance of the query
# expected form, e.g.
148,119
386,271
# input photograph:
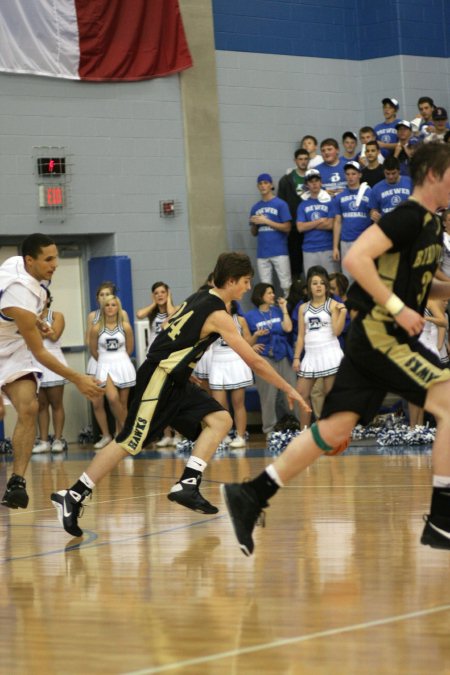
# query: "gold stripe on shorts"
149,401
416,366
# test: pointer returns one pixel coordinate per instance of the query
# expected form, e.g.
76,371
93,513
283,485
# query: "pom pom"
6,446
278,441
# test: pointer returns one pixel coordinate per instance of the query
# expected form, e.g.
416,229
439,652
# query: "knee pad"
328,449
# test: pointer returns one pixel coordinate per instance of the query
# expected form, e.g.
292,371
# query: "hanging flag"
96,40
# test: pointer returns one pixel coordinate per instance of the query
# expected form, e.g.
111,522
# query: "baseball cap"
264,176
439,114
391,101
352,164
312,173
404,123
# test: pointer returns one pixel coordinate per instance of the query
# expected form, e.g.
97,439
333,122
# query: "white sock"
273,473
87,481
196,463
441,481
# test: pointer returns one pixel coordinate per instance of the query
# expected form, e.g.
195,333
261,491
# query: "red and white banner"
97,40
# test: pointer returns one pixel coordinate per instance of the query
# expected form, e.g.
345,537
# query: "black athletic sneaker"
436,532
15,496
68,510
187,494
245,512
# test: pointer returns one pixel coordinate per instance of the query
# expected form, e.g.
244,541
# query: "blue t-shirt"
275,343
271,242
386,133
355,219
309,210
386,196
333,177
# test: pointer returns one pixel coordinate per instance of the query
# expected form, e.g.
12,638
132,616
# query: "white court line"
287,641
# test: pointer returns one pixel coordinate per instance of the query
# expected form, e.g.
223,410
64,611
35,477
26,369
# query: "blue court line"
93,537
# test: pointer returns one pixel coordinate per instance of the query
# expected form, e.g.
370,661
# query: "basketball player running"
22,299
165,397
393,263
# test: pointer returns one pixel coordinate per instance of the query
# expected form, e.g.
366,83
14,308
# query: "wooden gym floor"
339,583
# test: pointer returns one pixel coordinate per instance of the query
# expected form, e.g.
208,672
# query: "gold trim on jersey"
388,265
416,366
174,359
149,401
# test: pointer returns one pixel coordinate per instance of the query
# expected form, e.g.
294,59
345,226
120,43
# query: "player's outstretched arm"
26,323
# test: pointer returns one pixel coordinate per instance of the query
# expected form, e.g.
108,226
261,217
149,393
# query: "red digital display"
55,196
51,166
51,196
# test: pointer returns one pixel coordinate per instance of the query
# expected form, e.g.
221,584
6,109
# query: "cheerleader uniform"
430,334
113,359
227,369
49,378
156,326
203,367
92,363
323,353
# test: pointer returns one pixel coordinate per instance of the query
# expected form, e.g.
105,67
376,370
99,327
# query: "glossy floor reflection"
339,582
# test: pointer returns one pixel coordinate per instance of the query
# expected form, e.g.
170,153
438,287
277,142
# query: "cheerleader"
228,372
320,322
433,337
111,343
105,289
157,312
51,390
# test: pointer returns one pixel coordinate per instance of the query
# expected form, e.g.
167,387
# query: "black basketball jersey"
408,267
178,347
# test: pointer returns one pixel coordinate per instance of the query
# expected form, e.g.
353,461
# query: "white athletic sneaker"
165,442
57,445
227,440
239,442
177,439
41,446
102,442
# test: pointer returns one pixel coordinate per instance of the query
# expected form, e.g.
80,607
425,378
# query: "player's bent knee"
341,440
221,420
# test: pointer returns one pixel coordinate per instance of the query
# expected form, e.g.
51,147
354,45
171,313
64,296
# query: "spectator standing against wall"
352,212
390,192
315,221
270,221
440,126
386,131
332,167
289,189
403,150
349,143
311,144
373,170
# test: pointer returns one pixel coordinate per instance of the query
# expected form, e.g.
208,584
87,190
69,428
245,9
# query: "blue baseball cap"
264,176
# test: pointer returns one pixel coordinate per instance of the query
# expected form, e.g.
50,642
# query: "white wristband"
394,305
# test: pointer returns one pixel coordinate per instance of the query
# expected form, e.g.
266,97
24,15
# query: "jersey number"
427,278
176,324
